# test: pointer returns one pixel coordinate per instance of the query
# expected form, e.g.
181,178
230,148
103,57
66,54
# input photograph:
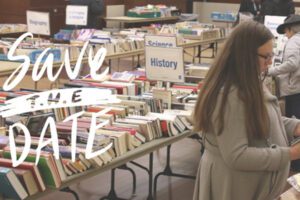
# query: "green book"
45,166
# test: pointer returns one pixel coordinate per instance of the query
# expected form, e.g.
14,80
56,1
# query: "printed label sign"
167,41
272,22
164,64
76,15
38,22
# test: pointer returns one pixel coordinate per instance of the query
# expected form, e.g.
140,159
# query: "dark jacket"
277,7
249,6
95,9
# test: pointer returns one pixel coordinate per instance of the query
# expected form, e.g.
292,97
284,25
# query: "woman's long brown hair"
236,65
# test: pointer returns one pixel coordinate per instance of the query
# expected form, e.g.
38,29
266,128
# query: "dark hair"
236,65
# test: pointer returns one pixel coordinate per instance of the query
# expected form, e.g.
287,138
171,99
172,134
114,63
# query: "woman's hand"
297,130
295,151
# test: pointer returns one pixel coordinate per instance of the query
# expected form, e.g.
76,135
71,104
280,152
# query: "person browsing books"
250,6
247,154
276,8
288,72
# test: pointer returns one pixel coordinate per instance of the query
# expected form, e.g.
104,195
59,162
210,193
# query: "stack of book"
152,11
12,28
197,70
224,16
199,31
128,124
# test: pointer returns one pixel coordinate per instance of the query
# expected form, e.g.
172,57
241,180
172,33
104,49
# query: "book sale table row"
145,149
132,125
93,123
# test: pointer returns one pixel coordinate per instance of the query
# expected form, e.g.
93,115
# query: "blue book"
11,187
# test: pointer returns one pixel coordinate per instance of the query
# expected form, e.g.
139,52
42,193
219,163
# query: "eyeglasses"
267,57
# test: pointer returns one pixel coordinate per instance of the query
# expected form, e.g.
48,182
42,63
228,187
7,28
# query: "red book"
164,127
98,109
115,128
193,88
27,166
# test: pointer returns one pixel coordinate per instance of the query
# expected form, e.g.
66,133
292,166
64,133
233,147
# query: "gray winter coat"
289,71
234,168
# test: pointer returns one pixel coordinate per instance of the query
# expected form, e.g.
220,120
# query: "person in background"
251,6
288,73
277,8
95,9
247,154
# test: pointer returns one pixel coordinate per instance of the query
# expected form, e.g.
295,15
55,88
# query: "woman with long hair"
247,154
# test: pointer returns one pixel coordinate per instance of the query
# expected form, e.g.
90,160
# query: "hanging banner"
164,64
76,15
38,22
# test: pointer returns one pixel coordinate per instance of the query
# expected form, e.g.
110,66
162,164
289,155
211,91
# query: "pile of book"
152,11
224,16
200,31
12,28
74,41
199,70
136,119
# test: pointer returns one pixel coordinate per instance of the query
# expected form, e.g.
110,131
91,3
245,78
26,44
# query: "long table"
144,149
132,20
6,67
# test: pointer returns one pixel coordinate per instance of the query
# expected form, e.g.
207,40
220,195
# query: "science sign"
167,41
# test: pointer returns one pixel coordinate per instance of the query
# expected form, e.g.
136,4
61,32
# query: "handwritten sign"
38,22
166,66
76,15
70,97
167,41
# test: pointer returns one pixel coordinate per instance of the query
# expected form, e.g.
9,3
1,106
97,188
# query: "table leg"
68,190
150,173
168,171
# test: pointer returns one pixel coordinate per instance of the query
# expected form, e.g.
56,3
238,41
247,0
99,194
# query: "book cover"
10,185
27,166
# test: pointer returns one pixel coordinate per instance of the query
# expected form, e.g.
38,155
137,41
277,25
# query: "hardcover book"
11,187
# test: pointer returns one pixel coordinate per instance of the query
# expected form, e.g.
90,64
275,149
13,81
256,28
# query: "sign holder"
167,67
76,15
38,22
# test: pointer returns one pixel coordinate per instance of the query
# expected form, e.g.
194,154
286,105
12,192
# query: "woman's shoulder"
232,95
293,41
233,91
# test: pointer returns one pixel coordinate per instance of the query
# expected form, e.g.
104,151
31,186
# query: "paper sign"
76,15
167,41
164,64
38,22
272,22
